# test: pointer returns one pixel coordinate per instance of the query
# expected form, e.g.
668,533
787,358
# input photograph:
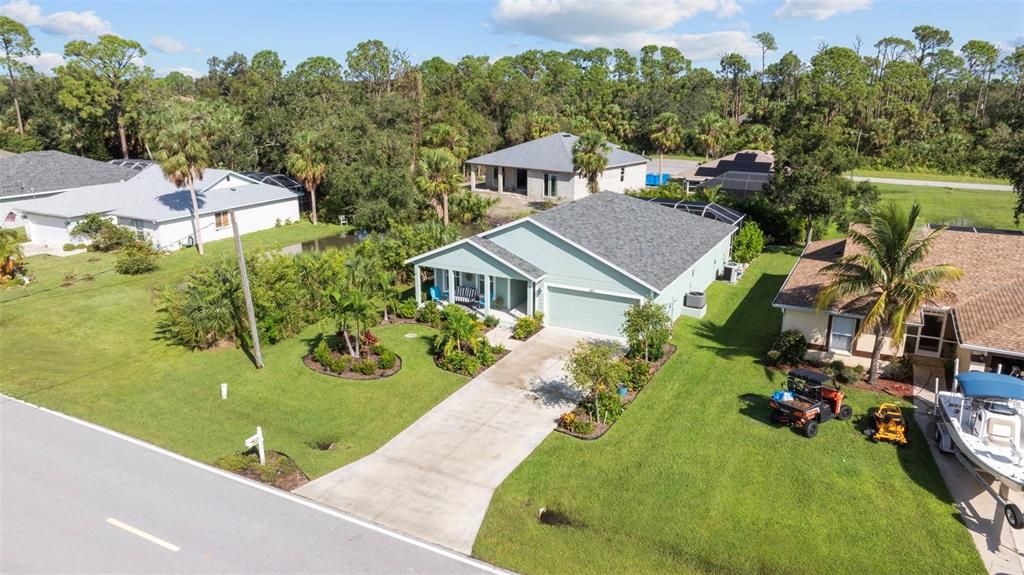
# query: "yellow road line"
143,534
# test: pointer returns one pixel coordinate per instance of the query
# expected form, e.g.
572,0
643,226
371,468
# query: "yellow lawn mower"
889,425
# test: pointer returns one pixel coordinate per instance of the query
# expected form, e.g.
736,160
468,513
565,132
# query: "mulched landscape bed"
349,374
898,389
601,428
497,358
280,471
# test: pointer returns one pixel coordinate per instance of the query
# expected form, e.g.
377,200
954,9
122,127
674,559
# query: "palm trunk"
312,200
444,207
876,355
348,341
810,231
195,218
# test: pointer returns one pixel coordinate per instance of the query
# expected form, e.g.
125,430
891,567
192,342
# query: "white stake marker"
143,534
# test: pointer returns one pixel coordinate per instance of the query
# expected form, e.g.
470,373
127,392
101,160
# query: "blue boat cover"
995,385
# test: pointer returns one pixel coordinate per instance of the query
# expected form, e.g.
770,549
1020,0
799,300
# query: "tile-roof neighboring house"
552,154
662,243
988,304
50,171
150,196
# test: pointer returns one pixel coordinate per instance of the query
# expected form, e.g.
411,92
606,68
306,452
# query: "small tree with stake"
647,328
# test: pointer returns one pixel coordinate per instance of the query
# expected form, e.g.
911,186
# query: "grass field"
693,478
926,175
988,209
91,350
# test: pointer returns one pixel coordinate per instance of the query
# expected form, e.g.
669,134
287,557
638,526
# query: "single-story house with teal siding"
582,264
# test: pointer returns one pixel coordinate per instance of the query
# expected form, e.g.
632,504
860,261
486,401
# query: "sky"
182,35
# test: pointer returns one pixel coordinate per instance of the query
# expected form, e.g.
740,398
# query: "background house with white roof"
160,211
542,169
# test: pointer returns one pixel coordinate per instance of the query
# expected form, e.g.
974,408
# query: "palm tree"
11,253
666,134
305,161
460,332
390,292
590,158
712,129
183,152
448,137
438,178
888,270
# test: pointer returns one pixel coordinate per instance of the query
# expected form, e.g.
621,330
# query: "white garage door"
585,311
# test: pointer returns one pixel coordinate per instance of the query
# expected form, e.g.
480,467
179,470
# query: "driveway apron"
435,479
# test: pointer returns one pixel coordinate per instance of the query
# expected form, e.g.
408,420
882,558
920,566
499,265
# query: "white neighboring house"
542,169
156,209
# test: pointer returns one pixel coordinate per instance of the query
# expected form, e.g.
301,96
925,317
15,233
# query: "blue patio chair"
436,294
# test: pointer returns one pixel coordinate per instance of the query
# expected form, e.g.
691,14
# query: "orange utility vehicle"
810,398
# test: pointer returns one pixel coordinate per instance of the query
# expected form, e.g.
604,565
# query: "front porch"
499,179
485,294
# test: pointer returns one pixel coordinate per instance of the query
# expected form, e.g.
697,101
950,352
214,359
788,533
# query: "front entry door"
521,181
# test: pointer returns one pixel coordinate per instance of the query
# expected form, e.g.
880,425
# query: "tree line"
383,139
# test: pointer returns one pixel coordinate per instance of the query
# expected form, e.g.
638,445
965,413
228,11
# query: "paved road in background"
934,184
76,499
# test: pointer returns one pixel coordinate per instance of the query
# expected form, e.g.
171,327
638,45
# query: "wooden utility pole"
247,293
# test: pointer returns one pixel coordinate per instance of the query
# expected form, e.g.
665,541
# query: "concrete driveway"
435,479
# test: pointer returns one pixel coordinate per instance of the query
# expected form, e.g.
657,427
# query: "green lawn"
693,479
91,350
989,209
928,175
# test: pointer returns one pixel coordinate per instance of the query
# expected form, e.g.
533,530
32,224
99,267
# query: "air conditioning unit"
733,272
695,300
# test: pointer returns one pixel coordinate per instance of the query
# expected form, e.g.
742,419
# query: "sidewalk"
998,544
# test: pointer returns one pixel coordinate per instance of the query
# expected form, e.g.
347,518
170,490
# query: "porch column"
501,179
487,294
451,286
472,178
419,288
531,289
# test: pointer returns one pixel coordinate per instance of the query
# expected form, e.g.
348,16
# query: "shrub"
638,373
773,357
748,243
136,259
80,246
899,369
369,342
387,360
69,247
324,356
460,362
527,325
106,236
647,328
430,314
406,309
491,321
485,354
364,366
572,422
792,347
204,311
609,407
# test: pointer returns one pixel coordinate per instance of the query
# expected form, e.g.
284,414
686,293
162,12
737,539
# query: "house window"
622,174
841,336
550,186
935,337
221,219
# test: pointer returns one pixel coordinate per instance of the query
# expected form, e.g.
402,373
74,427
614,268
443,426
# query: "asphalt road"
934,184
76,499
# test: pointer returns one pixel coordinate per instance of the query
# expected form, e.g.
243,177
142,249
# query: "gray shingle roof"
508,257
650,242
149,196
51,170
551,153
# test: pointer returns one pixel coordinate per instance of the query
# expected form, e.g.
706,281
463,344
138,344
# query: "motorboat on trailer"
982,424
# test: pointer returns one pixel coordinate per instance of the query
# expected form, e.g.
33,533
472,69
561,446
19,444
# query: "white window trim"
853,335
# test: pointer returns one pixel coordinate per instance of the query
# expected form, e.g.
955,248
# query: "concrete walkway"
435,479
999,545
934,184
